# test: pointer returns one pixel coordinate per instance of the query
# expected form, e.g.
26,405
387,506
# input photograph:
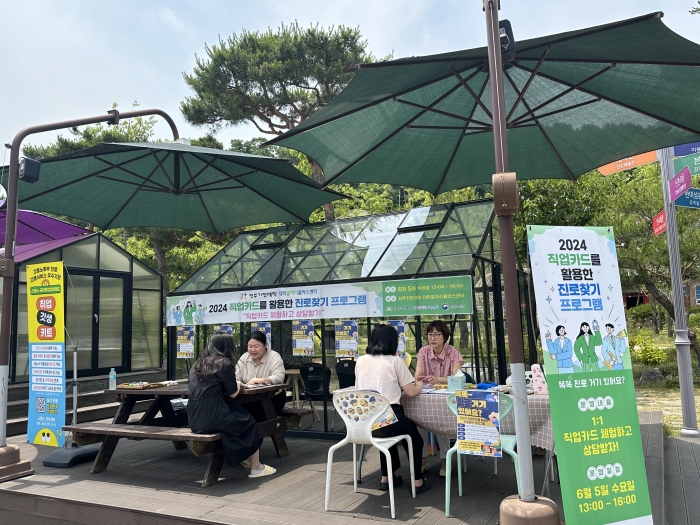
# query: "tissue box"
456,383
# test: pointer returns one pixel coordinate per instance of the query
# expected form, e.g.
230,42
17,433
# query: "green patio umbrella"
174,185
573,102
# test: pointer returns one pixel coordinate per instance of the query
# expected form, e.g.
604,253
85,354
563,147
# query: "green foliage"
643,350
640,315
695,10
207,141
275,80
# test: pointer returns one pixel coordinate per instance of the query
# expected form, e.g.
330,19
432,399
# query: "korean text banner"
302,337
47,363
401,329
430,296
478,423
346,338
589,375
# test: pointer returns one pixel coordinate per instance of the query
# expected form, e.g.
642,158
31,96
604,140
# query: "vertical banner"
185,342
302,337
401,329
346,338
478,423
265,328
589,375
225,328
47,364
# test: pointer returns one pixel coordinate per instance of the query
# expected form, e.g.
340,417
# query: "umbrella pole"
527,508
11,466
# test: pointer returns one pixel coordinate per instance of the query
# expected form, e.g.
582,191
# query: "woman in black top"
211,379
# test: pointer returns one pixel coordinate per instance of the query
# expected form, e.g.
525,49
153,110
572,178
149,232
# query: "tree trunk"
162,270
654,314
317,175
668,306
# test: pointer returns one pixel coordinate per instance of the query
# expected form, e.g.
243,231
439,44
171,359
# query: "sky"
75,58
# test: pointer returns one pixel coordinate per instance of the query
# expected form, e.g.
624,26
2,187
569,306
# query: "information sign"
346,338
659,223
692,162
679,184
690,199
628,163
185,342
47,363
401,329
589,375
478,423
686,149
429,296
302,337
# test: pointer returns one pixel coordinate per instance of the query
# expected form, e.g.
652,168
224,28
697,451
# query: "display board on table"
478,423
47,354
400,298
303,337
346,338
589,375
400,326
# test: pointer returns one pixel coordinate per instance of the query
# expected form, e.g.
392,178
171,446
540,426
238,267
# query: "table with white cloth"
430,411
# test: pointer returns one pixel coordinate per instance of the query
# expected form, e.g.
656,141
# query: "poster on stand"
47,355
346,338
303,338
225,328
401,329
185,342
399,298
478,423
588,370
265,328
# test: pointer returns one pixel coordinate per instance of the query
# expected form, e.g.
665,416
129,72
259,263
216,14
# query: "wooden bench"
109,435
293,412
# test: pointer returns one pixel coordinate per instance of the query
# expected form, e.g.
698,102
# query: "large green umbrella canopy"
172,185
574,101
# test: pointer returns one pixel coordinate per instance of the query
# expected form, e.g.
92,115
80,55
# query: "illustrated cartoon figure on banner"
199,314
614,347
177,316
561,350
188,313
584,346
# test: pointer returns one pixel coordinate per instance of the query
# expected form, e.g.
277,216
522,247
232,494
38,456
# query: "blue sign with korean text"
690,199
686,149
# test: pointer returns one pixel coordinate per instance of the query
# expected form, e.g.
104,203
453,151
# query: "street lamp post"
10,464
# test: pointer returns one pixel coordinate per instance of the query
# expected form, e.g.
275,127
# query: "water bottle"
112,379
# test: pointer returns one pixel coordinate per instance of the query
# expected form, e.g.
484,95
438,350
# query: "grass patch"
667,399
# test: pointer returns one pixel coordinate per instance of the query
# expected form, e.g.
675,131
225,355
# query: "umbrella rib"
130,198
121,168
301,180
618,61
440,112
459,140
276,204
539,126
563,93
294,131
392,135
160,165
462,128
543,115
199,194
189,172
155,188
469,89
529,81
621,104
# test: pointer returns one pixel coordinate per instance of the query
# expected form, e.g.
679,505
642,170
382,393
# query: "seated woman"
211,380
436,361
382,370
261,366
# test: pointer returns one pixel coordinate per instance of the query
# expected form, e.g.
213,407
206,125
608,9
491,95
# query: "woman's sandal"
267,471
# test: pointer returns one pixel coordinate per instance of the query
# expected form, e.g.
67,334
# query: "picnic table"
169,426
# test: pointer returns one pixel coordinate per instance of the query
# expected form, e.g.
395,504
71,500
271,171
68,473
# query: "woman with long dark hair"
381,369
212,379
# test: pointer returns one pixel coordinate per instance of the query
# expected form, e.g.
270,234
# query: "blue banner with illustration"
47,354
265,328
185,342
303,338
401,329
346,338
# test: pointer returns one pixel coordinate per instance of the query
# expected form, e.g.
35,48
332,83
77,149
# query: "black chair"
345,369
314,383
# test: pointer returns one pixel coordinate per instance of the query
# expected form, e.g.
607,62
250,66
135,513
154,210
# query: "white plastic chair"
360,410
